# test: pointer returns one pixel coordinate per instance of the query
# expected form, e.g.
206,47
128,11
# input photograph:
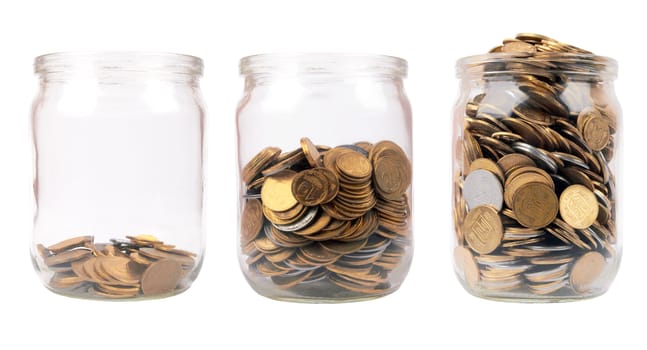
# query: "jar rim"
323,63
553,62
131,61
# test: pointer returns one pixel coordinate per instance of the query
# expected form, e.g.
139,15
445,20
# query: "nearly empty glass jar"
324,156
536,143
118,185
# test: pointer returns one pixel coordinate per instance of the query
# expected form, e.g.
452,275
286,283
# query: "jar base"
316,293
91,296
519,297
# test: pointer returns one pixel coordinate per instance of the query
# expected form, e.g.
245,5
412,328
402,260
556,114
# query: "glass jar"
536,137
118,186
324,147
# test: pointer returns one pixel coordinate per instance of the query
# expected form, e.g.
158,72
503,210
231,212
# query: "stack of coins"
334,216
534,203
124,268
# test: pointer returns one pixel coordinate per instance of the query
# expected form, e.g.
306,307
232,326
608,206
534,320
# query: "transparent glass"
324,158
535,164
118,182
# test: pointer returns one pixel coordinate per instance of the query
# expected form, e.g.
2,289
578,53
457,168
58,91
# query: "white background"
431,310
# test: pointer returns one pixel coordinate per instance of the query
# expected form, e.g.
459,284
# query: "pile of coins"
124,268
338,216
534,203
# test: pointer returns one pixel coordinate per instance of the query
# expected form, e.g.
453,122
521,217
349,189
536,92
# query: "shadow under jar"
324,147
536,128
118,151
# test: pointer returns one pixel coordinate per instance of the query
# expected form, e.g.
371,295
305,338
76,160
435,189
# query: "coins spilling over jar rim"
534,202
337,218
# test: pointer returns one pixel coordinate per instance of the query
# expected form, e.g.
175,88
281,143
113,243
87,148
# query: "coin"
253,168
482,188
251,220
466,267
586,271
70,243
578,206
535,205
311,153
161,277
483,229
489,165
315,186
596,133
276,193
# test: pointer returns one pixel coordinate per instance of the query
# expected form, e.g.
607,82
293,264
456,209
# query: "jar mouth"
321,64
570,64
118,61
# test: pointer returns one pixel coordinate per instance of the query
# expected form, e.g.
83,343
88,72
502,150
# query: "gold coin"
118,269
65,280
483,229
535,205
586,271
489,165
259,162
466,266
578,206
518,47
354,165
251,220
161,277
311,153
315,186
276,193
512,161
391,170
68,244
67,256
596,133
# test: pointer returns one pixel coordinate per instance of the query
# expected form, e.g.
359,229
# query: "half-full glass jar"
324,159
118,186
536,135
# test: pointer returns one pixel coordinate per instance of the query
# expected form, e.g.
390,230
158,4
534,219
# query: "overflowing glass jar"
118,146
324,147
536,128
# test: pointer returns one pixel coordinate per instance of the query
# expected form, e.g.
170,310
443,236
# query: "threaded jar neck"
323,65
577,66
119,67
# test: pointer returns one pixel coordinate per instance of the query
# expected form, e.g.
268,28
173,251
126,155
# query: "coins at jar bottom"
336,220
123,268
534,200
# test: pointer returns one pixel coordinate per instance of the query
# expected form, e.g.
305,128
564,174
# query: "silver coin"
301,223
559,272
602,198
571,159
483,188
543,161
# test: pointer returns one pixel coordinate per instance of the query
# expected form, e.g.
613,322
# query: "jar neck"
551,66
118,67
321,67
